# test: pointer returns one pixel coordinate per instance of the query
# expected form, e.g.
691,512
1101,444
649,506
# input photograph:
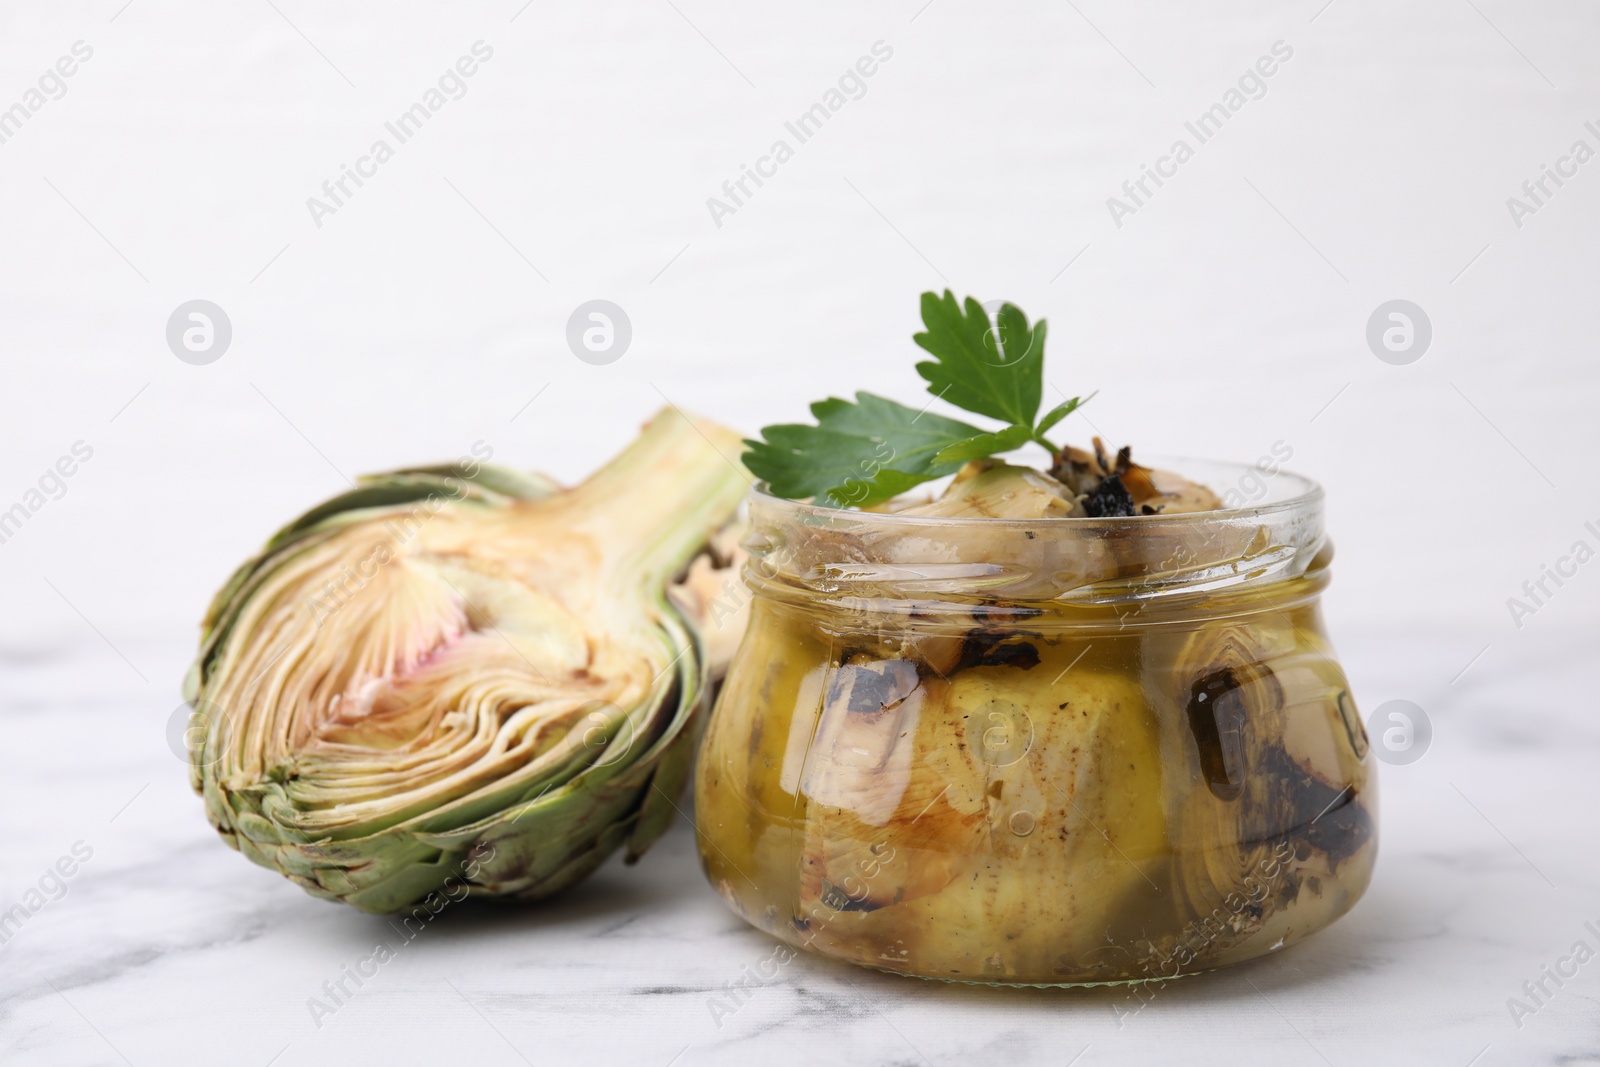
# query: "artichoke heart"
465,672
1268,797
1022,811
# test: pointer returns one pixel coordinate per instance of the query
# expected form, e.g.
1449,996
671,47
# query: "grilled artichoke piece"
988,489
1268,797
872,803
998,822
879,559
1108,485
1029,813
463,671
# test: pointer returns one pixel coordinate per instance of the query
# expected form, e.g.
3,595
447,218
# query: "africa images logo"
851,85
1252,85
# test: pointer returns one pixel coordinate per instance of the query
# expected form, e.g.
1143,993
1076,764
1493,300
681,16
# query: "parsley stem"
1042,440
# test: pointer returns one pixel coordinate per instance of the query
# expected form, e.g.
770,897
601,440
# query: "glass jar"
1052,752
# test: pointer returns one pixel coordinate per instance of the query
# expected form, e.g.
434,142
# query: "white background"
1228,314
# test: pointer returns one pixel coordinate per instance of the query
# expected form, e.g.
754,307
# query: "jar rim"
1298,493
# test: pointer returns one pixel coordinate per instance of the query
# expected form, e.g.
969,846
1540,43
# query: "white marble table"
169,949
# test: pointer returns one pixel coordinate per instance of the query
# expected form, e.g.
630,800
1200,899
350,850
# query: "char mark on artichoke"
1331,821
1109,498
986,647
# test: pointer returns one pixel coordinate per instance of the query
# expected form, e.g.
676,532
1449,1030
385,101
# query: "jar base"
1109,983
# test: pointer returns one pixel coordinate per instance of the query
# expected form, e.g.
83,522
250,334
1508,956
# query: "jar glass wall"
1058,751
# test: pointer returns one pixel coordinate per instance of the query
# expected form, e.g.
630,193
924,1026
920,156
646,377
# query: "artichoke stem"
653,506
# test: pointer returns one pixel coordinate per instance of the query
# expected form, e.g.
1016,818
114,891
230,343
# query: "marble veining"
166,946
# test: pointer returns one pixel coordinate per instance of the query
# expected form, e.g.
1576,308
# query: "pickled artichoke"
1267,794
464,672
968,740
1107,485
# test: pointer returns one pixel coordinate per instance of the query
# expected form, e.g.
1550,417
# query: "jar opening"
1273,535
1247,490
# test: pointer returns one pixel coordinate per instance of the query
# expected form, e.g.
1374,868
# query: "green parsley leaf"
1060,411
869,451
986,444
993,370
859,453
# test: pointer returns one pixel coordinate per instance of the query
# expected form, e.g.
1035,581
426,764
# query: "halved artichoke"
464,671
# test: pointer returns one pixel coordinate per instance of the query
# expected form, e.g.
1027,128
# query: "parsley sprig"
867,451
